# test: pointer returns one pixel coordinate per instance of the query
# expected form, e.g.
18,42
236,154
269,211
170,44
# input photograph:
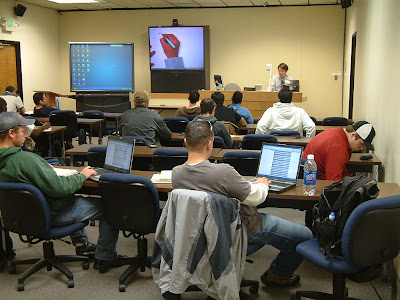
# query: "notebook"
280,164
119,156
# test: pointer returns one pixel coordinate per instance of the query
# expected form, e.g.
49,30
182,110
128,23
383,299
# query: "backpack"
342,198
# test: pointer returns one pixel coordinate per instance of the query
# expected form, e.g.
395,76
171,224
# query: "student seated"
243,111
199,174
192,109
14,102
42,109
223,113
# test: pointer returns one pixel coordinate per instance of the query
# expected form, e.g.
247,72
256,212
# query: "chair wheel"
102,269
71,283
295,297
122,287
92,223
85,265
253,290
20,287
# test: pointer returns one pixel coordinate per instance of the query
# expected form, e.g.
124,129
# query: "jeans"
82,210
285,236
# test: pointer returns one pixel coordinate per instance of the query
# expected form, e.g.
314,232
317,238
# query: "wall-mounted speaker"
346,3
19,10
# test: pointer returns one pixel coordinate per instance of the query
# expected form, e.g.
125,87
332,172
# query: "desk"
52,130
320,128
319,121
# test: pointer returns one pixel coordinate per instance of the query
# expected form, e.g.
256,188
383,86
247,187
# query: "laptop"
119,157
280,164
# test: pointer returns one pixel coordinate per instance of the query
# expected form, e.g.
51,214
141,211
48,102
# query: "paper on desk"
163,177
65,172
47,130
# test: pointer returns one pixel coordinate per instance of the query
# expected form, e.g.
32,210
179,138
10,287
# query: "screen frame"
102,90
205,40
128,141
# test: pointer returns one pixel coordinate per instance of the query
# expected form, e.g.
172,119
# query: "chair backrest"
136,209
176,124
166,159
371,235
140,141
245,162
254,141
232,128
37,123
96,114
219,142
190,118
24,210
284,132
65,118
232,87
335,121
313,119
96,156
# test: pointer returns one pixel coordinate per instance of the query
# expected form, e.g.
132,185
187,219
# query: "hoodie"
286,116
26,167
219,129
188,111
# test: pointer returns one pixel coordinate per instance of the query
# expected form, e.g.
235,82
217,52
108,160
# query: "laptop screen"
119,154
279,161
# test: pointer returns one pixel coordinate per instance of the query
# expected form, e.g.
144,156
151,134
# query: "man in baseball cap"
332,148
14,125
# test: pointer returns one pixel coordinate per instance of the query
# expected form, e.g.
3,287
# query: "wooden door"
10,66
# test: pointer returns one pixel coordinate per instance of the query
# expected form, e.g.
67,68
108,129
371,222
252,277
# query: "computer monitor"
218,82
291,85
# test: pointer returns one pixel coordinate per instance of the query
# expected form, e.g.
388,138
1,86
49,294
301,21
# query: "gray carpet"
92,285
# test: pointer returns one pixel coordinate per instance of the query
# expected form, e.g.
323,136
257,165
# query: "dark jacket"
219,129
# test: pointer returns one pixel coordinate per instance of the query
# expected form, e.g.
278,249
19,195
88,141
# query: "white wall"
242,41
39,38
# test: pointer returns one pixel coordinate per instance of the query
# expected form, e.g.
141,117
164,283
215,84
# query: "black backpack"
342,198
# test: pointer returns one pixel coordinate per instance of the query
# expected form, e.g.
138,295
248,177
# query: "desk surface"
79,120
54,129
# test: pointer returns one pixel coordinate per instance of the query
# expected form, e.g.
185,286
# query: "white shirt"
276,83
14,102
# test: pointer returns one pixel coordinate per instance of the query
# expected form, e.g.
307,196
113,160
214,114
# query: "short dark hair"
3,105
37,97
10,89
219,98
285,96
207,105
194,96
237,97
283,66
198,133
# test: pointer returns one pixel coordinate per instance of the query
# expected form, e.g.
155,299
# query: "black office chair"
335,121
219,142
166,159
284,133
66,118
135,211
370,237
254,141
25,211
313,119
96,156
96,114
245,162
190,118
176,124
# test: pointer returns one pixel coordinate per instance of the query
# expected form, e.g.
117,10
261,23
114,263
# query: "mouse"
366,156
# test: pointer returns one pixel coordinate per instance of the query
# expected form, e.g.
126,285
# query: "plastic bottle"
57,103
327,236
310,176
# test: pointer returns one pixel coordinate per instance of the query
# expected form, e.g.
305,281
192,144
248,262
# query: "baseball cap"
9,120
366,132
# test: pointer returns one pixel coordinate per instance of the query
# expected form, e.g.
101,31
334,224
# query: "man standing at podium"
276,82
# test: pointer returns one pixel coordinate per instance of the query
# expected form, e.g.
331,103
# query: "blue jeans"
285,236
82,210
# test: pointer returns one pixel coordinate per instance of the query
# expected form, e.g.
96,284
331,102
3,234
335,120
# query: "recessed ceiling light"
75,1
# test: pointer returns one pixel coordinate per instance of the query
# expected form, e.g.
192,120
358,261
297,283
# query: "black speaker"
19,10
346,3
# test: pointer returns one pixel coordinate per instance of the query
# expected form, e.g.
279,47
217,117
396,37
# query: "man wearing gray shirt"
199,174
143,122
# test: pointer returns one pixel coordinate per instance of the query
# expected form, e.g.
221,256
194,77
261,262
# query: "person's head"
219,98
3,105
237,97
199,136
13,128
360,134
11,89
194,96
282,69
207,106
141,99
40,99
285,96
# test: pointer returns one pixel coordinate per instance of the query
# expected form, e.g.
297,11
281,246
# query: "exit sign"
10,25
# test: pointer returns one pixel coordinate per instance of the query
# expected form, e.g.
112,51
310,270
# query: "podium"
51,96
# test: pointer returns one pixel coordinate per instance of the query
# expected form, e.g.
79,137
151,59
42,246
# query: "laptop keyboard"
101,171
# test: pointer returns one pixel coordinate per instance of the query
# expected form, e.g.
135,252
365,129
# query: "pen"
169,42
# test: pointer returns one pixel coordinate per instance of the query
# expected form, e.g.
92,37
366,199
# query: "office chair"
370,237
313,119
140,141
245,162
25,211
219,142
233,129
96,156
232,87
176,124
135,211
67,118
335,121
190,118
254,141
166,159
284,133
96,114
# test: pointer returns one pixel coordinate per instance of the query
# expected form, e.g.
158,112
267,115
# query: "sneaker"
270,279
86,249
103,265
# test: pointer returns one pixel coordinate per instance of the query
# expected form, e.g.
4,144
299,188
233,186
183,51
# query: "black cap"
366,132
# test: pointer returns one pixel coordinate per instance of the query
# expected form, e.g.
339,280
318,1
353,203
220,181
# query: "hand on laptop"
262,180
88,171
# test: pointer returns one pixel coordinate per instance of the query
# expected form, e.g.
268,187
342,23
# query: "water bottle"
57,103
327,236
310,176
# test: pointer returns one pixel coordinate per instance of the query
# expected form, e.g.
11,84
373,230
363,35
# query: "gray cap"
9,120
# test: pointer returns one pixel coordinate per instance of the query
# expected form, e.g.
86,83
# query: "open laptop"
280,164
119,156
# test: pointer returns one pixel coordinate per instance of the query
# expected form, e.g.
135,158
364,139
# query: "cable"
375,290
